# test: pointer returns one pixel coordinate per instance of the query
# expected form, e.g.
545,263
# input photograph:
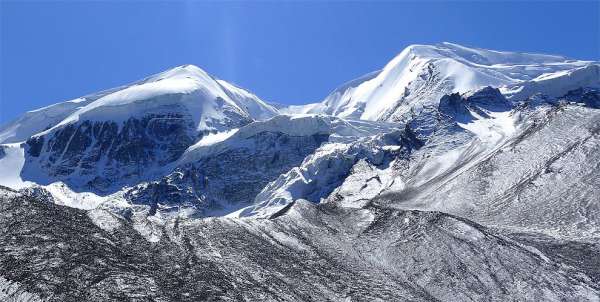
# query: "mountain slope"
543,179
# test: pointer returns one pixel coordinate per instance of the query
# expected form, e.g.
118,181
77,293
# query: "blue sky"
289,52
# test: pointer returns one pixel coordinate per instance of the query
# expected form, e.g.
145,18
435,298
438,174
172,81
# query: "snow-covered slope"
544,178
360,170
325,170
532,167
38,120
336,129
555,84
421,74
209,101
12,159
41,119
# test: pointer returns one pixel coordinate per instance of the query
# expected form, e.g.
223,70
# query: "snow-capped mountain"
118,138
452,174
421,74
211,104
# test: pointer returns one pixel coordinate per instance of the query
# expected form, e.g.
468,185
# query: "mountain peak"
180,72
421,74
187,89
479,55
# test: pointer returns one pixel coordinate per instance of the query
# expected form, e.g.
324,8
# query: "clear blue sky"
292,52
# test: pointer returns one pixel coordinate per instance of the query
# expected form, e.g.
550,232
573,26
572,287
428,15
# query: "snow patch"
104,220
497,127
12,159
213,138
64,196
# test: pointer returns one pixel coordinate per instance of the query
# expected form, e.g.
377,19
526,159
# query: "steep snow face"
38,120
421,74
351,173
250,103
213,104
555,84
333,98
12,159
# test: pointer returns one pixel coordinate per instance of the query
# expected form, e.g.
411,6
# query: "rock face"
321,173
481,102
228,180
99,156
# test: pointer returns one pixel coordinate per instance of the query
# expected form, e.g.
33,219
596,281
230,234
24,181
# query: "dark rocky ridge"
459,108
310,253
101,156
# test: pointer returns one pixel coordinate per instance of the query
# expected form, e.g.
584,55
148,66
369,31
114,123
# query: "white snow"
257,108
213,138
438,164
63,195
492,130
104,219
314,173
555,84
11,165
38,120
423,73
364,183
188,86
416,78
